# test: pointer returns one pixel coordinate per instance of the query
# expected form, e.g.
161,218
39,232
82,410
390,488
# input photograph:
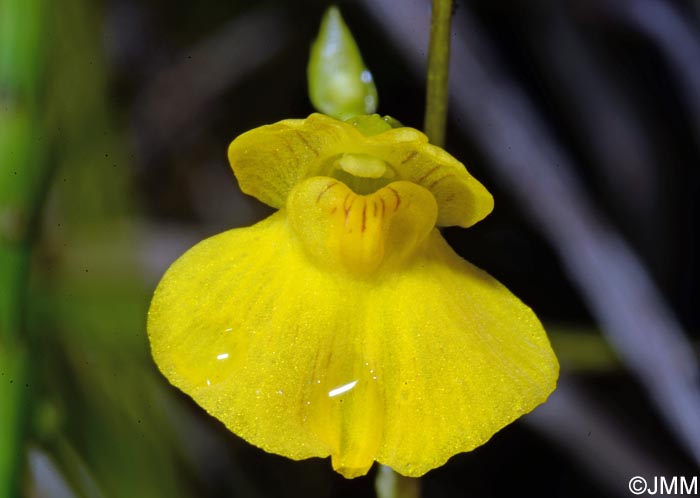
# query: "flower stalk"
390,484
438,72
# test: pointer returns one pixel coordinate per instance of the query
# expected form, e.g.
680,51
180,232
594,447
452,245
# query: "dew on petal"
222,356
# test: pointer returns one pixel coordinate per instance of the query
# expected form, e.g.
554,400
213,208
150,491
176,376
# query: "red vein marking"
364,216
335,208
439,180
348,207
420,180
383,206
327,363
328,187
290,148
410,156
301,137
398,198
374,211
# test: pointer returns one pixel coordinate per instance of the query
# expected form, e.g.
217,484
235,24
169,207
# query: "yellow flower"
344,324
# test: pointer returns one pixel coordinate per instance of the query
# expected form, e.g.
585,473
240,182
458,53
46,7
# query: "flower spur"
344,325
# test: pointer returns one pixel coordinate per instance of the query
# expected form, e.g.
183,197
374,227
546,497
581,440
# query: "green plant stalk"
14,374
438,72
22,181
389,484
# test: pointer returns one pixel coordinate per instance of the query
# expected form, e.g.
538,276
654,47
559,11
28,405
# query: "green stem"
438,72
23,171
389,484
13,371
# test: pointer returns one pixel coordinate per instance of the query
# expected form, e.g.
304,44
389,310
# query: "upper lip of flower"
269,161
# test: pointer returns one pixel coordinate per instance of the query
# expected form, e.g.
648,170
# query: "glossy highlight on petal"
270,160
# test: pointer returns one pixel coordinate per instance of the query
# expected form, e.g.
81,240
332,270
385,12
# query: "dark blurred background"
581,116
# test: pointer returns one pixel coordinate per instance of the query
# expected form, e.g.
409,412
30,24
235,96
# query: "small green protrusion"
373,124
339,83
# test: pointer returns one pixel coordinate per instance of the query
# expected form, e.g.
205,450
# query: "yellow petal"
463,358
461,199
406,369
269,161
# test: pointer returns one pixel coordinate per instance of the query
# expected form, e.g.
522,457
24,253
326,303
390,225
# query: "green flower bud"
339,83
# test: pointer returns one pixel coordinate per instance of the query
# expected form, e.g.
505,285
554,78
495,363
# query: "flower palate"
344,324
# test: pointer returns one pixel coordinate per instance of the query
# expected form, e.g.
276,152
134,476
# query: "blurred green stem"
389,484
23,173
13,371
438,72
